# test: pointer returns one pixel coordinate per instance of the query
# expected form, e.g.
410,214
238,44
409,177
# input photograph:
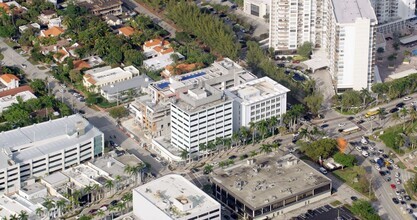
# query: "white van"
363,140
365,153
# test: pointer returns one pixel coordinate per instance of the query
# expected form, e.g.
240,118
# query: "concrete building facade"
257,8
174,197
351,34
40,149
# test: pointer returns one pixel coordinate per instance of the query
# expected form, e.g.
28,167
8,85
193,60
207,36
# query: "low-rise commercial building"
95,79
161,61
268,186
9,81
127,89
257,100
173,197
102,7
9,100
40,149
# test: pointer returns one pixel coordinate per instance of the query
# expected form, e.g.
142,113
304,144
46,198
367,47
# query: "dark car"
413,205
340,130
244,156
324,126
395,200
407,197
384,156
382,173
400,105
360,121
81,112
393,110
350,118
281,65
354,198
114,202
92,211
232,157
194,170
388,179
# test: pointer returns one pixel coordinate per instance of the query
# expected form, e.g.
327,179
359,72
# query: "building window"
290,201
254,10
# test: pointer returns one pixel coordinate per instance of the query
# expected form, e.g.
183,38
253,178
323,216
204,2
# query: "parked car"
114,202
232,157
395,200
323,170
393,186
393,110
407,98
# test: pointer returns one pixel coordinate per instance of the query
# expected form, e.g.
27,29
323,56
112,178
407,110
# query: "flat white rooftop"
257,90
172,187
82,175
104,74
347,11
160,62
32,142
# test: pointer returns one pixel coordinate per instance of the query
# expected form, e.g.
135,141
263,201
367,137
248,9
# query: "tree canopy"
209,29
323,147
305,49
347,160
364,209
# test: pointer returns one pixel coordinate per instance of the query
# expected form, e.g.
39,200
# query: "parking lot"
328,213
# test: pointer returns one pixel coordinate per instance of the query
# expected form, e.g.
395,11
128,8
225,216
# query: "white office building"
293,22
258,100
351,44
37,150
392,15
199,116
257,8
174,197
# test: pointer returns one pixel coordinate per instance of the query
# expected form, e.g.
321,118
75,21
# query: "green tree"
305,49
265,148
380,50
323,148
314,102
133,57
23,215
38,86
364,210
118,112
346,160
208,168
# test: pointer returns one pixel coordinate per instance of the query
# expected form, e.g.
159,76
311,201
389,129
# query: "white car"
397,193
342,124
322,170
397,181
372,148
363,140
400,198
365,153
395,166
359,148
377,167
408,98
397,174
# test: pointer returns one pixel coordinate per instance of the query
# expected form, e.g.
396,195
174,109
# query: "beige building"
96,78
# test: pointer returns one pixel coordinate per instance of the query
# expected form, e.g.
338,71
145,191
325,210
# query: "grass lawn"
356,178
393,134
1,56
335,203
401,165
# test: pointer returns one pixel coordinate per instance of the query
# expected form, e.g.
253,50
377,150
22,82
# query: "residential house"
157,47
126,31
52,32
46,16
23,28
160,62
113,20
55,47
81,64
61,55
12,96
55,22
10,81
179,69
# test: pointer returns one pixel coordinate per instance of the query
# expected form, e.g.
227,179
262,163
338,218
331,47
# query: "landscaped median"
356,178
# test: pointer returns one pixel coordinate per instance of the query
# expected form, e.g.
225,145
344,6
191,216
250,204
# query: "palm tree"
118,178
252,127
127,198
219,142
23,215
100,213
395,116
185,155
403,113
60,204
13,217
262,126
208,168
244,134
202,147
87,190
413,115
266,148
235,138
95,190
365,95
272,123
39,211
303,134
134,171
109,185
381,114
48,204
